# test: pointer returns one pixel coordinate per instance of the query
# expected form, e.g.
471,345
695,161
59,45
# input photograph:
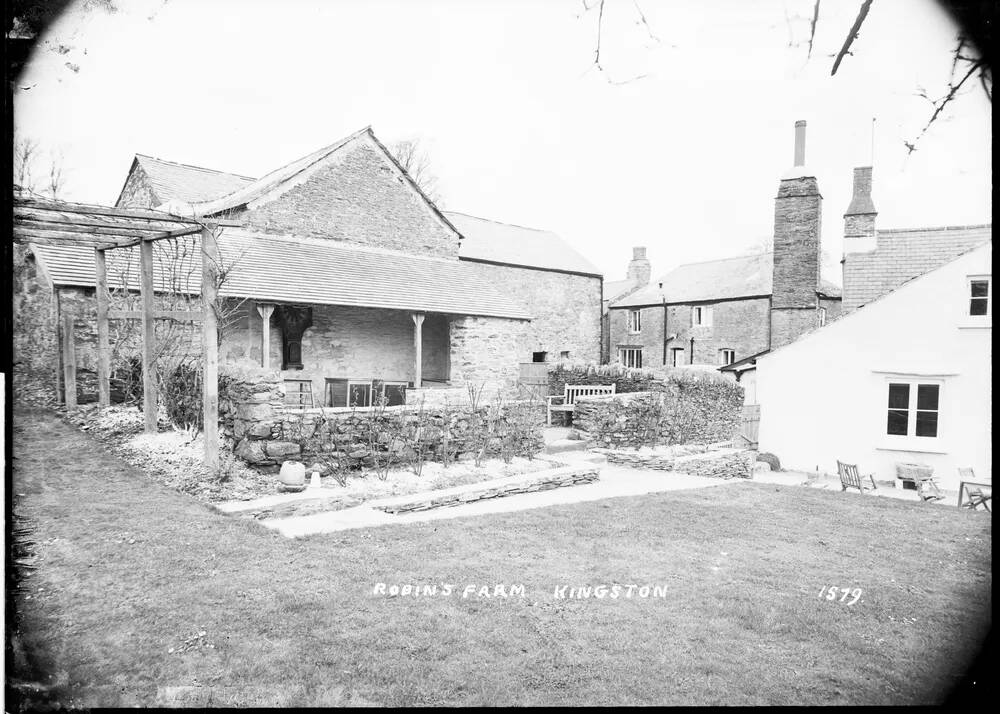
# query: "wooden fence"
750,424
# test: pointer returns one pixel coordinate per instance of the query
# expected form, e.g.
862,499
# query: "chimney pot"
800,143
638,252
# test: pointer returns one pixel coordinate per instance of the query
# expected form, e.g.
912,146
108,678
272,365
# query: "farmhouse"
343,275
721,311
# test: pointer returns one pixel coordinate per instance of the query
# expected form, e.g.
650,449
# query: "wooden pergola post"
148,335
69,362
418,347
265,335
210,346
103,341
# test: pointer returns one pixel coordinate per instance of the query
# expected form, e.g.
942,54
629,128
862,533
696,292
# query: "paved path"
614,481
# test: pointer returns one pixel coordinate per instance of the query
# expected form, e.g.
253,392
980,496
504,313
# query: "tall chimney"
638,267
859,237
795,277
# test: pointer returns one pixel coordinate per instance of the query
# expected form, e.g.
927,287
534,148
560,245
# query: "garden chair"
974,490
851,478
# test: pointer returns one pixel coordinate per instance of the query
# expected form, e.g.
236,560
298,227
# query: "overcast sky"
519,126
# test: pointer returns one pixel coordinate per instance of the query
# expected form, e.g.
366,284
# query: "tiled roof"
903,254
297,270
614,289
725,279
188,183
208,192
515,245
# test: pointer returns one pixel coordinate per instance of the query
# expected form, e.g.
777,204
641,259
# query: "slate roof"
614,289
725,279
187,183
903,254
207,192
271,268
496,242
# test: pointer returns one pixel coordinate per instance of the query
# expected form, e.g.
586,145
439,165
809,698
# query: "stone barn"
344,276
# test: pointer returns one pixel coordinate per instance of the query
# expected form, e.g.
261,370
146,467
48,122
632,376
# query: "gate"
750,424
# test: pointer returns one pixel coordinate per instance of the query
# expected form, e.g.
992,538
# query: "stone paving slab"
614,482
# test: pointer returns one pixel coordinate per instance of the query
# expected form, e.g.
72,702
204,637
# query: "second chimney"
859,220
639,268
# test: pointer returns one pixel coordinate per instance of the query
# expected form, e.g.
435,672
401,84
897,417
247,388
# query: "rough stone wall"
797,215
486,350
35,343
740,325
693,459
565,309
137,193
690,409
359,198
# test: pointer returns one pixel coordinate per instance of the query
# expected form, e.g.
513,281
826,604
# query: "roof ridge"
732,257
502,223
971,226
192,166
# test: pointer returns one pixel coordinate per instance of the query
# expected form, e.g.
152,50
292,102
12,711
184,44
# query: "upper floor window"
635,321
727,357
979,296
701,315
630,356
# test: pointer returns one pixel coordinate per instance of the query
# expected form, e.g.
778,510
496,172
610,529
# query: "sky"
677,145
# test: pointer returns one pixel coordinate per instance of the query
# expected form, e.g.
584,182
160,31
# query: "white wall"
824,396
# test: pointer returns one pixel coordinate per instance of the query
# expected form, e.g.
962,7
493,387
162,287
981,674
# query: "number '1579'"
831,592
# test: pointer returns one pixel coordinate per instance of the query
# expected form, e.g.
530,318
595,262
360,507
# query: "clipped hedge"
685,407
624,379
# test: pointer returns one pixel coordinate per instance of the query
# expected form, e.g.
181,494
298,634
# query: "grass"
129,569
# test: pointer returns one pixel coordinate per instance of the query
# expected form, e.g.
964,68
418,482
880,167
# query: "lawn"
145,596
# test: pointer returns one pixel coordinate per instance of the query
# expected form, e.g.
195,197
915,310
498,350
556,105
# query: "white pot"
293,473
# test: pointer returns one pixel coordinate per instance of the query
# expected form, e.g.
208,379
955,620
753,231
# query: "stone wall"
693,408
266,432
137,192
565,309
693,459
485,350
35,344
740,325
358,197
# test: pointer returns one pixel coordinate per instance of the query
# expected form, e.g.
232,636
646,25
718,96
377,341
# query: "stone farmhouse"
721,311
348,279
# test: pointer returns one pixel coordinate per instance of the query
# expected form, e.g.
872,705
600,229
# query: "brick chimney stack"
639,268
797,216
859,221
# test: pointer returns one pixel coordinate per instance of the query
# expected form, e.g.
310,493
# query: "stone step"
561,445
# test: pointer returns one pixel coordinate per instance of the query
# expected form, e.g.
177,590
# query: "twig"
939,106
812,29
852,35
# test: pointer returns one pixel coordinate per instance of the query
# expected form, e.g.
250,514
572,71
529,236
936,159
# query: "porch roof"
272,268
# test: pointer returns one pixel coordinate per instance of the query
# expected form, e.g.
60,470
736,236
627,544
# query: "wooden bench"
570,394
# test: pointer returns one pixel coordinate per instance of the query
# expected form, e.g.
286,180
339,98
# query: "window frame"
910,441
704,312
725,352
634,322
988,279
633,351
821,316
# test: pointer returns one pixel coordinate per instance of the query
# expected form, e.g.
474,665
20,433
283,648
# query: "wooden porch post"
265,335
148,335
103,343
69,361
418,346
210,346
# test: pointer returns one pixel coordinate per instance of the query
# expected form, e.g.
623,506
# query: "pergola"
105,228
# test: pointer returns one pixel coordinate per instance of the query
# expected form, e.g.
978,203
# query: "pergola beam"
27,234
129,213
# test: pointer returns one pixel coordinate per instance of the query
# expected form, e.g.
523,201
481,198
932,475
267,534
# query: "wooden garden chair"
850,477
973,490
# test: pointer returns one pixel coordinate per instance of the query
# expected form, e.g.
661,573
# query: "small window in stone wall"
635,321
727,356
564,354
538,356
630,356
701,315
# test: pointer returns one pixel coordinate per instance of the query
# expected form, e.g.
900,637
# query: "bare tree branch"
852,35
415,161
812,29
941,104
